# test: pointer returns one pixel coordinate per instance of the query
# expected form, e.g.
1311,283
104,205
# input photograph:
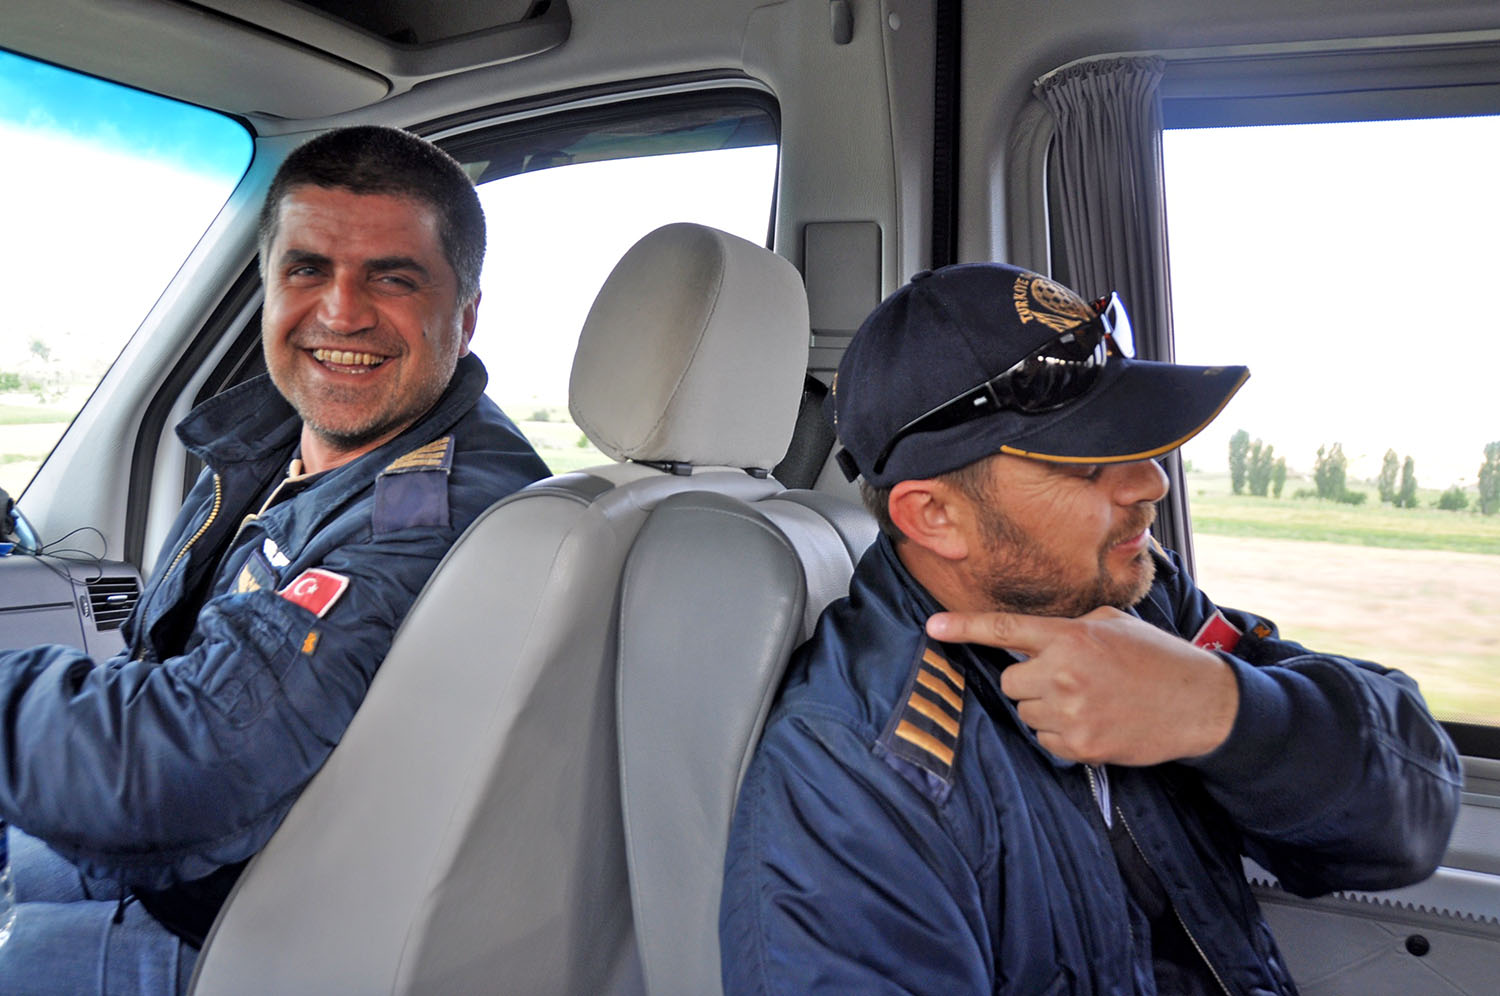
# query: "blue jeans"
66,942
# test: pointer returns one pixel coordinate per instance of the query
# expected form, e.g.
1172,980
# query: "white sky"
555,234
92,236
1349,267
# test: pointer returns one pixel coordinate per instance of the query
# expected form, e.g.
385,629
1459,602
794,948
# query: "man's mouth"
347,359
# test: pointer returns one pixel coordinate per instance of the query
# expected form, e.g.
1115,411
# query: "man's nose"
345,307
1139,481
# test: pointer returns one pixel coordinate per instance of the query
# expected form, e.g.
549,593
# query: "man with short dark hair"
332,489
1027,753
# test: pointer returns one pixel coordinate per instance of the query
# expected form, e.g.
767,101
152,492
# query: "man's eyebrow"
302,256
384,264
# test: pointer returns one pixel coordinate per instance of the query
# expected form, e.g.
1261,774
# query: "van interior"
691,207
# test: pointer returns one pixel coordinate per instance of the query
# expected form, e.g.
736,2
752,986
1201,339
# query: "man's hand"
1105,687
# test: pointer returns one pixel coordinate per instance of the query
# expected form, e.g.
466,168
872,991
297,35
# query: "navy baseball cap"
975,359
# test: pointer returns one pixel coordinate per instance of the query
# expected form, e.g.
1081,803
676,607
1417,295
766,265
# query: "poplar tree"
1406,497
1389,468
1489,480
1239,453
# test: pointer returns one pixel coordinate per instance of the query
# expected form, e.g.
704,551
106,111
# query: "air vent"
112,599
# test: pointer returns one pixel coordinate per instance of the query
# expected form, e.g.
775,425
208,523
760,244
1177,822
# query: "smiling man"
332,489
1026,754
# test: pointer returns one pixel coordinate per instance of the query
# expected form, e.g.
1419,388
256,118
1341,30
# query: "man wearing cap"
1026,754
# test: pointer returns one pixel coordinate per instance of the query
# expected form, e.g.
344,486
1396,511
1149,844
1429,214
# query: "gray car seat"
465,836
718,591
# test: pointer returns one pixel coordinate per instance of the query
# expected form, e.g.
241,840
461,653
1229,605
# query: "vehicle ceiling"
284,64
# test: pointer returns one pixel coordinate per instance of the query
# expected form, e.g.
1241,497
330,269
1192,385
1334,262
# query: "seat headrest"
693,352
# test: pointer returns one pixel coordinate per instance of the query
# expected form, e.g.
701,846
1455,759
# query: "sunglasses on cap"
1061,371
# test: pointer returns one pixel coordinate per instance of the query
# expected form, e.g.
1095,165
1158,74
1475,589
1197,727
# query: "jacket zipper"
1099,803
1175,911
213,513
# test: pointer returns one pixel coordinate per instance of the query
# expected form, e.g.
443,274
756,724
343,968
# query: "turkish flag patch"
1218,634
315,590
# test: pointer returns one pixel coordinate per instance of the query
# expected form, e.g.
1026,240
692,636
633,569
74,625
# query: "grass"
32,414
1217,511
556,443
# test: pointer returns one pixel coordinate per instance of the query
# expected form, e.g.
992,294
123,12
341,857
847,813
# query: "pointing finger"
1005,630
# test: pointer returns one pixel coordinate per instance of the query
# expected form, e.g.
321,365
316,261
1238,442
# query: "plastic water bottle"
7,887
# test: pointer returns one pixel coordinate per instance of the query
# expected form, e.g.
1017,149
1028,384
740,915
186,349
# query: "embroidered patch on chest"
1218,633
255,575
316,589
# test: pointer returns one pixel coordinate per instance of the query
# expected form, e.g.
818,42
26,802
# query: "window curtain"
1109,193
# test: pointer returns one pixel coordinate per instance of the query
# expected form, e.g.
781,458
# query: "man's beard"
1022,576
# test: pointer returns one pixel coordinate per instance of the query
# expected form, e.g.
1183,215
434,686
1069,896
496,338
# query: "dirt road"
1433,614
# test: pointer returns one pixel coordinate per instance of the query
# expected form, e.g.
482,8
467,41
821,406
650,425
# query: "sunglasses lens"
1058,374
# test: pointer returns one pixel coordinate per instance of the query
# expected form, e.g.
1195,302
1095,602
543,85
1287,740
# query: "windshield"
104,191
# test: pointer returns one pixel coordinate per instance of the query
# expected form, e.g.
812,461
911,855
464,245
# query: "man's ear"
468,319
933,515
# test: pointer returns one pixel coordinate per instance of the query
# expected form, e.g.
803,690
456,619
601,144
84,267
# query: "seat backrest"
465,836
718,591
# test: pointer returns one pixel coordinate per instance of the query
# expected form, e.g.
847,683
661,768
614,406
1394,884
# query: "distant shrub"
540,415
1453,500
1305,493
10,381
583,442
1353,498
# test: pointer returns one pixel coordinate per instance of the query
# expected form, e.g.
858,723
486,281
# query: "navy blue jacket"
168,766
900,830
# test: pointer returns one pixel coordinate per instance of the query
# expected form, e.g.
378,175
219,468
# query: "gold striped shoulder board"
921,739
412,490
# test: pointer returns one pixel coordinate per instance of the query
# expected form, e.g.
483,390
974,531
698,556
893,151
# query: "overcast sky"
1353,268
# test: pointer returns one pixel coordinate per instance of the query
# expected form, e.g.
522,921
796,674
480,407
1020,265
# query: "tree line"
1254,467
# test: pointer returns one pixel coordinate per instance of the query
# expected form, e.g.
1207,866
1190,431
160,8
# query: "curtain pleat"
1112,209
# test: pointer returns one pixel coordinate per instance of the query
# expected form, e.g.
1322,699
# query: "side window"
1351,491
559,220
104,191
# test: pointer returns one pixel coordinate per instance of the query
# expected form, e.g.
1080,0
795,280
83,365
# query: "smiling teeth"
345,358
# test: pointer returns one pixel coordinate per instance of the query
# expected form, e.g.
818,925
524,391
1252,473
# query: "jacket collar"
252,421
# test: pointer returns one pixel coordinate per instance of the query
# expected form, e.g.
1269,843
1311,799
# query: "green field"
1217,511
556,443
32,414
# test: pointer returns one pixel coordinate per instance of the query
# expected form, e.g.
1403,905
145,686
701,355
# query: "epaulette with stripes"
413,489
921,739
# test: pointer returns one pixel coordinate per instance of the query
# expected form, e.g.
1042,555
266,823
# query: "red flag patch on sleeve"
1218,634
315,590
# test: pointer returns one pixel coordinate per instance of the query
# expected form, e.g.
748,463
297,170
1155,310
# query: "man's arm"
1332,768
152,772
832,886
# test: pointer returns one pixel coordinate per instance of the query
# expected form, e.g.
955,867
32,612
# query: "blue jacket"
874,850
168,766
